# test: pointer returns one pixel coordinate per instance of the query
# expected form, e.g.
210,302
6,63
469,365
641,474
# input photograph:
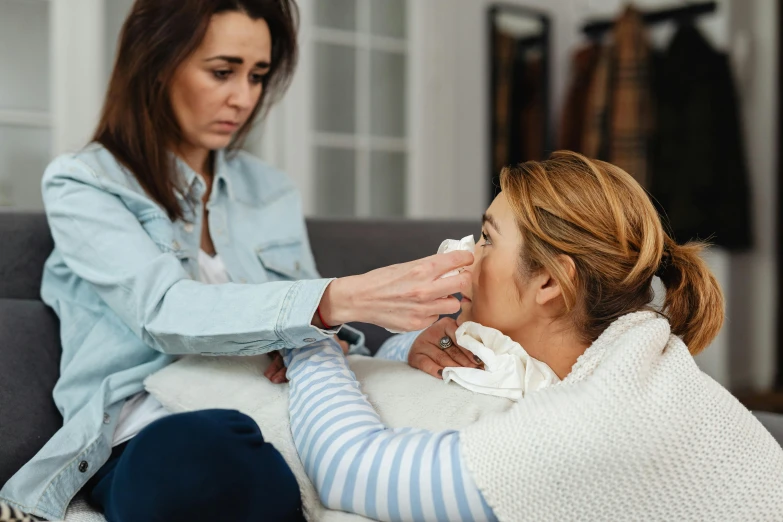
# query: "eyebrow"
237,61
487,218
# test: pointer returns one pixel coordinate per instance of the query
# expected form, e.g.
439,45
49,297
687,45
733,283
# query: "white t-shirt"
142,409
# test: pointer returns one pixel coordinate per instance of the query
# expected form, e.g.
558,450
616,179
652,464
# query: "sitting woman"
632,430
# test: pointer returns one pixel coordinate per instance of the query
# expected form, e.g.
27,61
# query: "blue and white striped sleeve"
397,347
357,464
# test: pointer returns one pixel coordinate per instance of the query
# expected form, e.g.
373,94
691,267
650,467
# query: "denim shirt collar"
194,183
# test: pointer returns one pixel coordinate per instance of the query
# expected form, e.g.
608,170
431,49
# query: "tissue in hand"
450,245
509,371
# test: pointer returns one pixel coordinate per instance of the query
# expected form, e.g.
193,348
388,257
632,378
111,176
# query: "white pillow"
403,397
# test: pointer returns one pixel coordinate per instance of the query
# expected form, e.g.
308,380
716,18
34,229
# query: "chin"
216,141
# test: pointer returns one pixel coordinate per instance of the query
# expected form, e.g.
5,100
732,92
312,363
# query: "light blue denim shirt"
121,279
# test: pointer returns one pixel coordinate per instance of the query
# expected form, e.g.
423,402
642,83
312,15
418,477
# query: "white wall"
116,12
449,128
77,63
753,309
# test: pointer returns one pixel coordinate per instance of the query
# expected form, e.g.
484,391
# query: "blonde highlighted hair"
600,217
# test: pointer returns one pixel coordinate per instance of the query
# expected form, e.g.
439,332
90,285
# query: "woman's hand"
406,297
427,356
275,372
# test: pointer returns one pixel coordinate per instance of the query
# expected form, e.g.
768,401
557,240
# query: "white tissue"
450,245
509,371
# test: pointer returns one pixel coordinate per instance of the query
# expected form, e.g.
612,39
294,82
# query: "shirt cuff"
397,347
294,324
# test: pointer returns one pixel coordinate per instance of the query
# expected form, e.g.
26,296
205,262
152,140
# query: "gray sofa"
29,338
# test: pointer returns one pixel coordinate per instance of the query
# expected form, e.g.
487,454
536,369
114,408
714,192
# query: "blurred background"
409,108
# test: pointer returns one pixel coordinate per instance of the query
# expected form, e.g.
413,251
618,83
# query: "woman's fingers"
461,356
450,327
456,352
445,358
431,359
445,263
443,306
434,362
466,356
275,366
427,365
279,377
452,285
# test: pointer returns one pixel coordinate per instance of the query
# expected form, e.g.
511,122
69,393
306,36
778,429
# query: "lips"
227,125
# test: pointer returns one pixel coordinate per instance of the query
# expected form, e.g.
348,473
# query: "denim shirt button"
188,228
309,340
175,245
106,418
83,466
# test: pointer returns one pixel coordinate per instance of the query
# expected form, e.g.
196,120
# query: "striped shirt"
397,347
359,465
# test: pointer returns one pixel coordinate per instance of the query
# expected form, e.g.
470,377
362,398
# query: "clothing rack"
597,28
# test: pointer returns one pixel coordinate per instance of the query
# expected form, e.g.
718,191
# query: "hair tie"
665,263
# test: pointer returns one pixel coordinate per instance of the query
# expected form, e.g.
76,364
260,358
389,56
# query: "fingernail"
440,372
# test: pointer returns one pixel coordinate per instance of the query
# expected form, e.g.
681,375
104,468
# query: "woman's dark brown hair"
137,123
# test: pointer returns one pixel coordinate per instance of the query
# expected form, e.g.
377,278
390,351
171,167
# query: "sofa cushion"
26,245
29,365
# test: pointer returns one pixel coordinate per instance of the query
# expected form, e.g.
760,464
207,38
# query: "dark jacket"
699,170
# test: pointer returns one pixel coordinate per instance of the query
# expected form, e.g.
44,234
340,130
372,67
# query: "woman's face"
497,298
502,296
216,89
526,306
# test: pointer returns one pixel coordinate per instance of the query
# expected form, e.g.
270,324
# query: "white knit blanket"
403,397
635,432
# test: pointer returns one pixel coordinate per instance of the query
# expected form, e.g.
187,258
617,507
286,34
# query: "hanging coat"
699,175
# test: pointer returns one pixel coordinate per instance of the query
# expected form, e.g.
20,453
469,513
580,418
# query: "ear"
549,288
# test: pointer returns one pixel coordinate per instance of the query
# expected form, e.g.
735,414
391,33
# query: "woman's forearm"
357,464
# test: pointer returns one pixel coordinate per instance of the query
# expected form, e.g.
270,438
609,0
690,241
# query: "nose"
242,96
472,266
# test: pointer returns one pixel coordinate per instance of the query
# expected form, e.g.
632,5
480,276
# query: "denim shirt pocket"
161,230
282,259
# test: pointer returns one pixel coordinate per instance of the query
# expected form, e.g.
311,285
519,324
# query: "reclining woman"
634,430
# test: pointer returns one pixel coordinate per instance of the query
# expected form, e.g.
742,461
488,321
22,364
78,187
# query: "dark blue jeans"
202,465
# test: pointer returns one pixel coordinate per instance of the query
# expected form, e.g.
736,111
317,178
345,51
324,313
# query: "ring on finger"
445,342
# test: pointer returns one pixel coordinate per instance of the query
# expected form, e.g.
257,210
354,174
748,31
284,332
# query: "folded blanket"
403,397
